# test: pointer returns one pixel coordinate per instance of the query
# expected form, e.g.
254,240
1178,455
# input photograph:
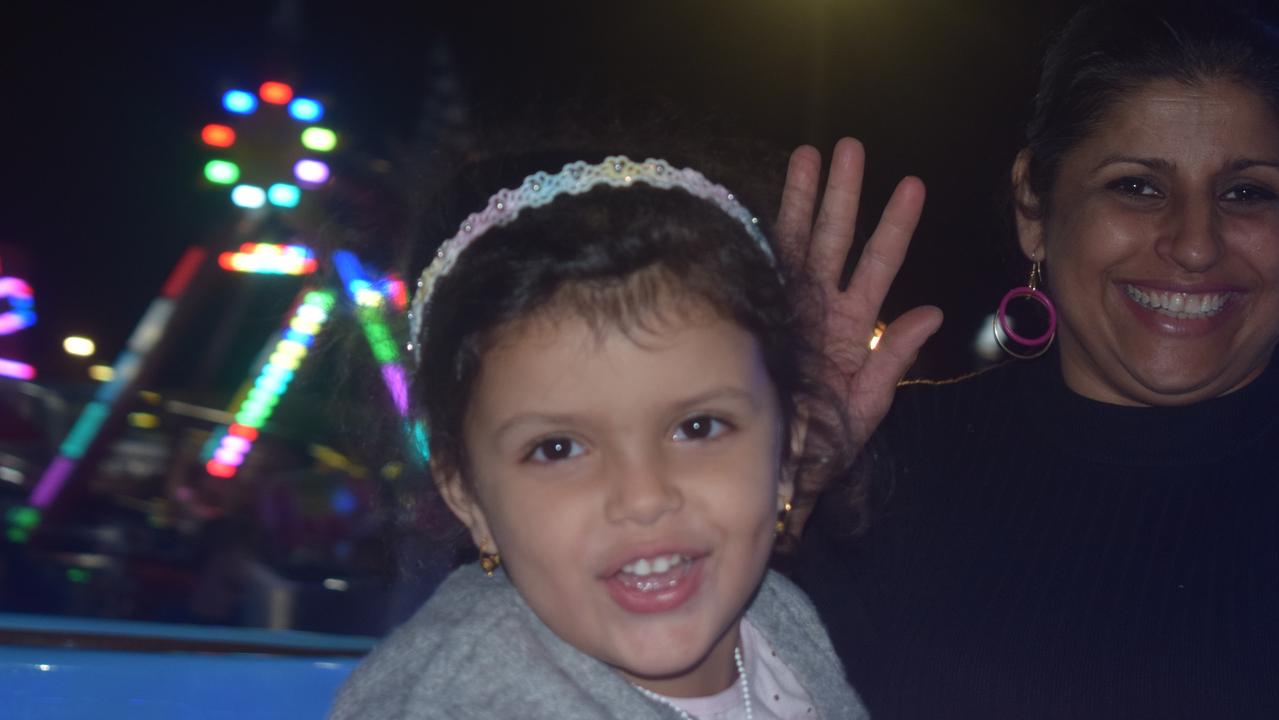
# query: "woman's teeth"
647,566
1182,306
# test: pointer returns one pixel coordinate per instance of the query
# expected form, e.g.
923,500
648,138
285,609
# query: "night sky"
102,175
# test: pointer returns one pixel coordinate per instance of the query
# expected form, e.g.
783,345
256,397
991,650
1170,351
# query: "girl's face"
630,480
1162,245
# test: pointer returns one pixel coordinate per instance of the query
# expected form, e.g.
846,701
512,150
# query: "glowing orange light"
219,469
218,135
276,93
243,431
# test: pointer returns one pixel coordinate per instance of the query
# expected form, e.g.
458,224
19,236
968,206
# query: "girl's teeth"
1179,305
647,566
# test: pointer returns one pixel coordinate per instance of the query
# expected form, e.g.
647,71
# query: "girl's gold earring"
782,515
489,561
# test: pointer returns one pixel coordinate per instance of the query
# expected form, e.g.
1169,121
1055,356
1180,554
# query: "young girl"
610,370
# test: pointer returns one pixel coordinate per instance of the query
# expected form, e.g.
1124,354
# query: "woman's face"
1161,245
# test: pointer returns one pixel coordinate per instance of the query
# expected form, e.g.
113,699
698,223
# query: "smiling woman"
1092,534
1161,244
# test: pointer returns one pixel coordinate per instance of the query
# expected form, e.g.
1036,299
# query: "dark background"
101,178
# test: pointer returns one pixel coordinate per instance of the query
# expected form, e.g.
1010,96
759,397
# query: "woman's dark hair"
1112,48
611,255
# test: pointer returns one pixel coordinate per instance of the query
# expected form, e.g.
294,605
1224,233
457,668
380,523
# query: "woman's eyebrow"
1152,163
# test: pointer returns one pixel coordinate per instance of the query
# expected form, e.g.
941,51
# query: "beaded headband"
575,178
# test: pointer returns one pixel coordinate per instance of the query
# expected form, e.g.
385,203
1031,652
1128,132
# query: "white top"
775,691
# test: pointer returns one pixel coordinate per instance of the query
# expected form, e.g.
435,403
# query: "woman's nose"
1192,238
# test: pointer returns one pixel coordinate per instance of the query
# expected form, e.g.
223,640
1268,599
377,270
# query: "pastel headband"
575,178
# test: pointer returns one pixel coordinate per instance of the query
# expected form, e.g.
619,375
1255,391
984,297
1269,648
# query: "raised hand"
867,379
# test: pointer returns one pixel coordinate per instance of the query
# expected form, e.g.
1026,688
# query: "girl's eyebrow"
530,418
1246,163
727,392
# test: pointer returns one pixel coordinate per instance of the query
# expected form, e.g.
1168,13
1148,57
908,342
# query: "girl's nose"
640,491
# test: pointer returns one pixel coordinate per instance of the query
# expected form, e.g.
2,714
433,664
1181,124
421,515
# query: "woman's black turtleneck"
1035,554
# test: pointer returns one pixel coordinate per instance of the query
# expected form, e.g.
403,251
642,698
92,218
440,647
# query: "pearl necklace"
741,674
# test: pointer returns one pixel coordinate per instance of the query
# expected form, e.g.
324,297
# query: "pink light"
228,456
394,377
236,444
16,370
312,172
51,481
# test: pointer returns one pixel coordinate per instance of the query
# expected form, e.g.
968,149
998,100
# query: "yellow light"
879,332
102,373
76,345
144,420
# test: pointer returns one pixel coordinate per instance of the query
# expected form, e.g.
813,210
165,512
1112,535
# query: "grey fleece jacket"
476,650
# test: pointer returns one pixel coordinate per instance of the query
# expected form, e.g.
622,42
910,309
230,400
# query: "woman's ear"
462,502
1028,208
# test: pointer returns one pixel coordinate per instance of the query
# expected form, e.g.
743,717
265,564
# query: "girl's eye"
554,450
1134,187
1248,193
702,427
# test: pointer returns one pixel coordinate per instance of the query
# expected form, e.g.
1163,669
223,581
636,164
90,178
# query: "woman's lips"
1180,305
1180,312
639,588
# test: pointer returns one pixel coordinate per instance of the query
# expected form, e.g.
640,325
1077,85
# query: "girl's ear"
798,434
462,502
1028,208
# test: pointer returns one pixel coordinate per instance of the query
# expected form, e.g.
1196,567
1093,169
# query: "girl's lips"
656,592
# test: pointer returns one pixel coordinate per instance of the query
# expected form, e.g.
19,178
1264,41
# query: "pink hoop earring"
1038,345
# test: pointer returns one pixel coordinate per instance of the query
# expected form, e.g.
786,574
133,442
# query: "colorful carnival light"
369,302
269,259
311,172
257,158
128,365
287,351
20,316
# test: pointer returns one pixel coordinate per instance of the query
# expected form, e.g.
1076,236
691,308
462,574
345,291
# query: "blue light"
239,102
284,195
248,196
306,110
300,338
342,501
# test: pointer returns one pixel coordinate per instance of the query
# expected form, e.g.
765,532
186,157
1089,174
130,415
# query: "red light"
227,261
275,93
217,469
243,431
218,136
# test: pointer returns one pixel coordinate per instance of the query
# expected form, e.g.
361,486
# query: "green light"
222,172
77,575
24,517
319,139
17,535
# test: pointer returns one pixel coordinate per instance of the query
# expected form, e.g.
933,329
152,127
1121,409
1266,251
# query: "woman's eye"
1134,187
555,449
701,427
1248,193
